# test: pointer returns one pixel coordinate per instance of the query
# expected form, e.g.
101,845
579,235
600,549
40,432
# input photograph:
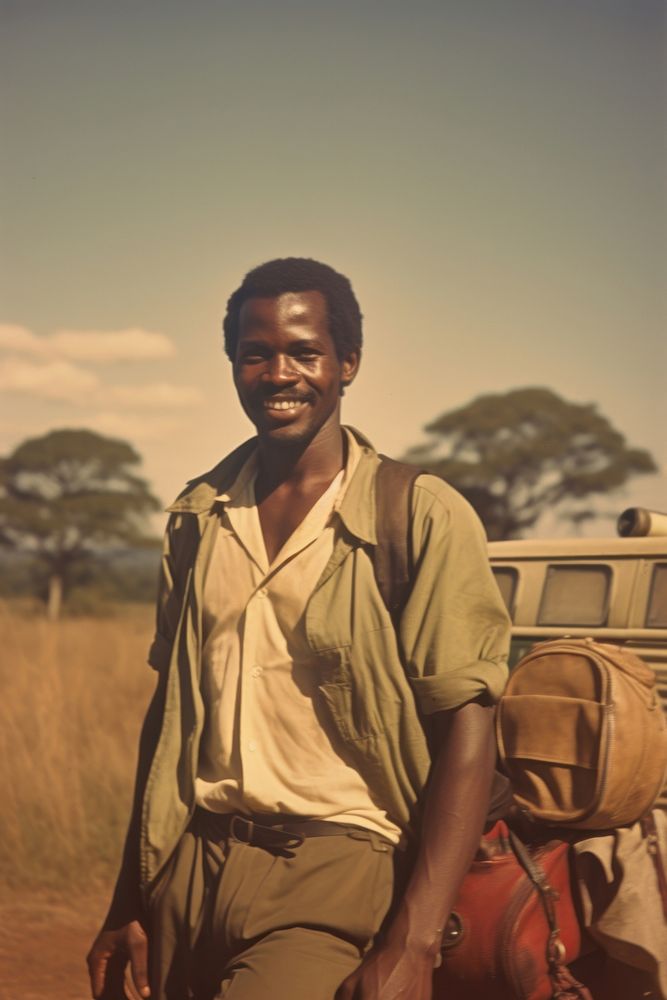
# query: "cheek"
243,379
244,392
329,378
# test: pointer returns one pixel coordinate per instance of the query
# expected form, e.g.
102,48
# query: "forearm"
126,903
454,813
123,934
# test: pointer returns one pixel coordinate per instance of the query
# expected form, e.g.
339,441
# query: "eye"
307,353
251,355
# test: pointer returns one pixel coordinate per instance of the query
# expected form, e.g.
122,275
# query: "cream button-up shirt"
264,748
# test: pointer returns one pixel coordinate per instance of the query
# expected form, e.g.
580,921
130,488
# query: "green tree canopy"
515,455
69,496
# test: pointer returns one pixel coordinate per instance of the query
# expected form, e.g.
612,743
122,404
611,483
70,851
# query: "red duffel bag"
514,926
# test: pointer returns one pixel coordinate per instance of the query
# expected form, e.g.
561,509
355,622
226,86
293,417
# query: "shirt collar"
247,472
357,501
199,495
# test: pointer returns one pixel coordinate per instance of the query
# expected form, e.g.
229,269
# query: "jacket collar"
357,510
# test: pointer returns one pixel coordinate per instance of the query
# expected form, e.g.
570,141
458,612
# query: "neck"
300,464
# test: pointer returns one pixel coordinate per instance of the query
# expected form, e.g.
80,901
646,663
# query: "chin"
288,435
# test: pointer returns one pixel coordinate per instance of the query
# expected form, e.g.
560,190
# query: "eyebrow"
248,342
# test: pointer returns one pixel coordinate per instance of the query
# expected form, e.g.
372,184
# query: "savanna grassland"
73,694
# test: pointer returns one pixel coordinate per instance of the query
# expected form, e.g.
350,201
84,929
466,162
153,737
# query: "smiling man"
313,775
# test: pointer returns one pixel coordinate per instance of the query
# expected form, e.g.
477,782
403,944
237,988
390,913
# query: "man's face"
286,370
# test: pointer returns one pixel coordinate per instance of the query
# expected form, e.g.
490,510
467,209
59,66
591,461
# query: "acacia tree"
515,455
68,497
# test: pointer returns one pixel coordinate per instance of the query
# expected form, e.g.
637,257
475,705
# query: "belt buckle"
248,825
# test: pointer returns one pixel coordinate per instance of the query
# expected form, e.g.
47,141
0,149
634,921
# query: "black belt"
285,833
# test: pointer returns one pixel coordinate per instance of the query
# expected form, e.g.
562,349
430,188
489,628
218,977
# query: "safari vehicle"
613,589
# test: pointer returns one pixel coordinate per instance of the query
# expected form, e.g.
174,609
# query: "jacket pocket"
353,718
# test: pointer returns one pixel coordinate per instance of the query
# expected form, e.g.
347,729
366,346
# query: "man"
285,772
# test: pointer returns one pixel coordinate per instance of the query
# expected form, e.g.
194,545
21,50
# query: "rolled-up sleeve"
454,630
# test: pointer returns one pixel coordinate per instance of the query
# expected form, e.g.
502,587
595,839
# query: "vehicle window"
656,615
506,578
575,595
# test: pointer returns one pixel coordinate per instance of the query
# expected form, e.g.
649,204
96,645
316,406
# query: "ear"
350,367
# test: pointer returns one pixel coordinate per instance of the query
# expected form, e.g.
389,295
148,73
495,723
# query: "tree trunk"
55,598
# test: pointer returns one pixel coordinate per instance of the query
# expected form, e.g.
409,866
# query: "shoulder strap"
650,834
392,555
565,986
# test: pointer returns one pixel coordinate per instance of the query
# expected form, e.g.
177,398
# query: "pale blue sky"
489,174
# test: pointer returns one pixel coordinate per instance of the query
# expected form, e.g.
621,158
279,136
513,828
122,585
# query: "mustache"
283,397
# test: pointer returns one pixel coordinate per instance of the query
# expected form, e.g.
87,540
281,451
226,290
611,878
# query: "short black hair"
299,274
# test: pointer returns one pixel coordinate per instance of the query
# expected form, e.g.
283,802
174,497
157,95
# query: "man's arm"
122,937
454,637
456,803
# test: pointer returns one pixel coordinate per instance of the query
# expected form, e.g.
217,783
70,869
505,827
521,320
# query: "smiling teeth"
282,404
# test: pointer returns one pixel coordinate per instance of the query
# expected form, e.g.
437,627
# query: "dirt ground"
43,944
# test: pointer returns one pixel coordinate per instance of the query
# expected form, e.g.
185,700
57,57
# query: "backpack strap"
565,986
392,555
650,834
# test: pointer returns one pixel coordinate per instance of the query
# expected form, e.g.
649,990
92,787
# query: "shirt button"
256,671
252,746
264,592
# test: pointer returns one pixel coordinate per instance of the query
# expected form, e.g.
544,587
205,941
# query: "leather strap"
285,833
650,832
392,554
565,986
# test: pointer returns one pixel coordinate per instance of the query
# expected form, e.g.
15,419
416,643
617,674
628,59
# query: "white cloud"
46,368
19,339
53,380
155,395
61,380
124,425
105,346
98,346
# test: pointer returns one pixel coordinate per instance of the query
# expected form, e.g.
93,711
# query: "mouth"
274,405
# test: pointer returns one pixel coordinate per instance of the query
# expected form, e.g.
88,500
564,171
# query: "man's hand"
115,947
390,972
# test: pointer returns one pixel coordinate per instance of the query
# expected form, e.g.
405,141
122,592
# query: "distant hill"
127,575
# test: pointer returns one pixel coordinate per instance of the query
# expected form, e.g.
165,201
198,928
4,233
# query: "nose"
280,370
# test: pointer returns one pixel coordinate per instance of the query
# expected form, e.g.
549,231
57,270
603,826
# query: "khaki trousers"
231,920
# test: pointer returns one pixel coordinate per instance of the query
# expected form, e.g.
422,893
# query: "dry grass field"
73,696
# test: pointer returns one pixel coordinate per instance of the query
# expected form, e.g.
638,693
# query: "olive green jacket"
377,685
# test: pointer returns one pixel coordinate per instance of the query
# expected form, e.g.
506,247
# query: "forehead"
307,310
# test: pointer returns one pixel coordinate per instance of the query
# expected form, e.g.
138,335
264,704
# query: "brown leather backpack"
582,735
